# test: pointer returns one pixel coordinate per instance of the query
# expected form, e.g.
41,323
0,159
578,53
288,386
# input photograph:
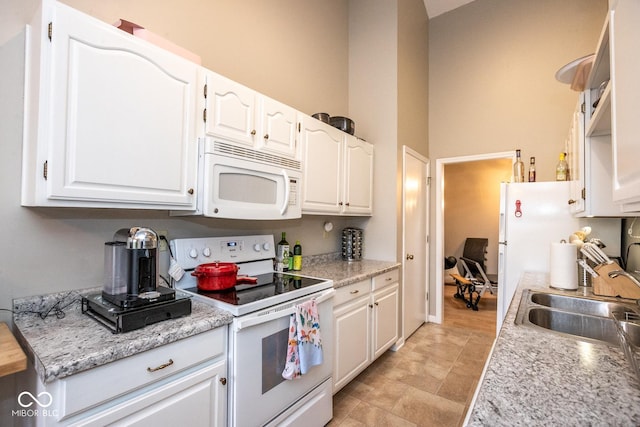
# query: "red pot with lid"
218,276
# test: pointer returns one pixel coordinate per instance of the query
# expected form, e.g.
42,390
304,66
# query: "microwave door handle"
286,192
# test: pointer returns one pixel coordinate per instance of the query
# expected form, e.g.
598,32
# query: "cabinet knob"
190,191
370,305
347,204
409,256
376,303
340,203
571,201
266,136
253,132
223,381
354,292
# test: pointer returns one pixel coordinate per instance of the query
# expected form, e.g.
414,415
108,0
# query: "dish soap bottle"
282,254
532,169
562,169
518,168
297,256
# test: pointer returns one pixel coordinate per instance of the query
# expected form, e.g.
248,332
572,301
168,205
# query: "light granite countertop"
535,377
63,345
343,273
72,343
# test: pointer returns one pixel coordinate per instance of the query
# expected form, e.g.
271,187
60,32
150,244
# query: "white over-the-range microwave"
242,183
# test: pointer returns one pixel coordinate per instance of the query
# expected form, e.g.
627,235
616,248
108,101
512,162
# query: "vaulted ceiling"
438,7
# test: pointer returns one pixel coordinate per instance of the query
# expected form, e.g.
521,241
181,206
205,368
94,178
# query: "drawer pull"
355,292
388,279
164,365
223,381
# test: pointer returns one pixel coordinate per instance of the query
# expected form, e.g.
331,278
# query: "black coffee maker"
131,269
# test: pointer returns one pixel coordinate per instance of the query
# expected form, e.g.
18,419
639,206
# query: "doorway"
415,242
504,158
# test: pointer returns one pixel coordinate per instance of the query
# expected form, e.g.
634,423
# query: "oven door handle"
285,205
246,322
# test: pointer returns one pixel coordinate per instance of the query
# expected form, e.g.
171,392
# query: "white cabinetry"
366,324
109,118
338,171
242,116
182,383
613,121
590,168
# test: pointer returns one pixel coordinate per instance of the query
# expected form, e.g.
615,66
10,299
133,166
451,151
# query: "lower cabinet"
182,383
366,324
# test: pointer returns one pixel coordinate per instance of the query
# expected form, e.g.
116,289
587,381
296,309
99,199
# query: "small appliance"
130,297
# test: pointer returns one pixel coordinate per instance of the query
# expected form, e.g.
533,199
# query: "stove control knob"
193,253
256,247
266,246
206,252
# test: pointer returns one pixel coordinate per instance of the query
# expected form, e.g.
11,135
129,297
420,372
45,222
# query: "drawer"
351,292
385,279
95,386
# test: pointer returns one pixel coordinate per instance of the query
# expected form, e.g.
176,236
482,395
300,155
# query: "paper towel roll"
563,268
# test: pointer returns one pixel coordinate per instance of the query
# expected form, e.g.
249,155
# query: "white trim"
439,229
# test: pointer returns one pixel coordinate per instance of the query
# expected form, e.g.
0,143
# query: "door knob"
409,256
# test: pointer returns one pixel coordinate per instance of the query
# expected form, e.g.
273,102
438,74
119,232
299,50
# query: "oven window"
239,187
274,354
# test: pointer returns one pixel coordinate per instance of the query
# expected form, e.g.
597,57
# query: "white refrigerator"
532,216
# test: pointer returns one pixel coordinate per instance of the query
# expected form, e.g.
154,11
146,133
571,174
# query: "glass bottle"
297,256
562,169
518,168
532,169
282,254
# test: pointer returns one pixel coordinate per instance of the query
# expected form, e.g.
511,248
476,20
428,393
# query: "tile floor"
430,381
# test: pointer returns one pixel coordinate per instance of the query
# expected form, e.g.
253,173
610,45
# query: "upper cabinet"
590,168
109,118
338,170
613,100
243,116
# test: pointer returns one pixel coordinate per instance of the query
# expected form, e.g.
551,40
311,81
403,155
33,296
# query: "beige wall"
492,86
472,205
491,76
295,52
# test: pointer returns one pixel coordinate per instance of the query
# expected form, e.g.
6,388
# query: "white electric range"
258,336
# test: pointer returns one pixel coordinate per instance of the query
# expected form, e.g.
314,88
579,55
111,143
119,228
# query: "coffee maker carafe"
142,244
131,269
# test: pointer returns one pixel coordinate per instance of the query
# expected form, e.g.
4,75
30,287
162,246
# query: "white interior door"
415,217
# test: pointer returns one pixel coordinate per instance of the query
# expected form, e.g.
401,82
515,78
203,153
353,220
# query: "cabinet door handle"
164,365
253,132
376,303
388,279
190,191
571,201
223,381
355,292
266,136
409,256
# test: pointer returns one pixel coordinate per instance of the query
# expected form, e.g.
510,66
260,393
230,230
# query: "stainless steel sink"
581,325
586,318
578,305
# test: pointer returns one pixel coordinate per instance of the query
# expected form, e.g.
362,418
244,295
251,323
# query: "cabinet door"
358,183
322,148
230,110
197,399
278,124
122,125
576,145
625,69
352,341
385,319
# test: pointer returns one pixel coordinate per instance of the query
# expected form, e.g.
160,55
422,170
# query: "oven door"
258,350
244,189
